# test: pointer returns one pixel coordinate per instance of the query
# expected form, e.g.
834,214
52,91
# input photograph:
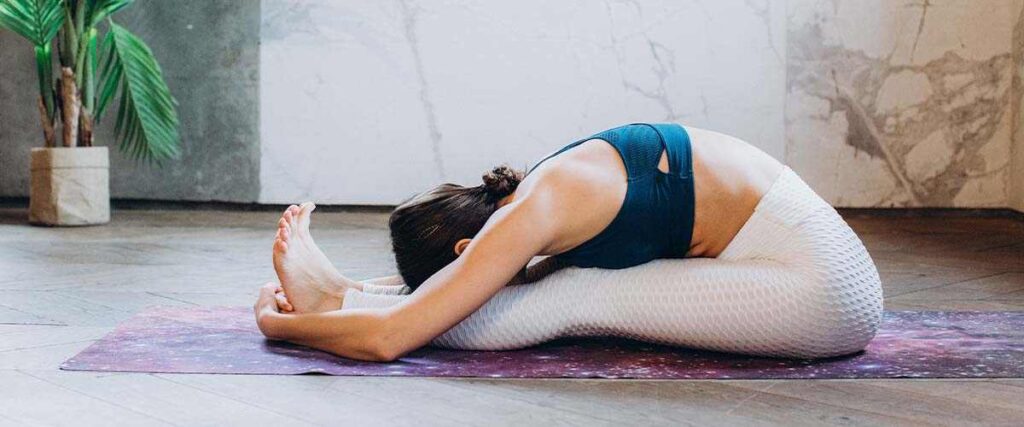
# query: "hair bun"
502,181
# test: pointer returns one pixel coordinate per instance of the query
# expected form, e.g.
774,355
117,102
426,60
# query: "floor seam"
47,345
946,284
293,416
909,421
154,293
752,395
61,386
499,395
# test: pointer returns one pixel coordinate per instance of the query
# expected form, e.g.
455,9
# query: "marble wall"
875,102
370,102
1016,190
904,103
1017,179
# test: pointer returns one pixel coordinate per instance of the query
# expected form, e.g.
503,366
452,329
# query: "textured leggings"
794,282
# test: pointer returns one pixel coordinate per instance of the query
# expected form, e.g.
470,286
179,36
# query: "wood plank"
924,304
13,316
45,349
986,288
869,396
33,401
19,328
45,335
237,298
390,401
977,393
100,275
168,401
64,308
1012,382
714,402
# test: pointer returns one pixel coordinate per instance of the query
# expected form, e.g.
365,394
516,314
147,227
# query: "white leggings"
794,282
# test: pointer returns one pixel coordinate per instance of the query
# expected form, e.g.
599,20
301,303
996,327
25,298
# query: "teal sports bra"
656,217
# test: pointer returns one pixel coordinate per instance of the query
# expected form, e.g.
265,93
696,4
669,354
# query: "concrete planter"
70,186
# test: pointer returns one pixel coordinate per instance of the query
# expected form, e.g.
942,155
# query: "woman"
773,269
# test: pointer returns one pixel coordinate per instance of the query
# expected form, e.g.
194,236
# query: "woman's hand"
269,305
342,332
282,301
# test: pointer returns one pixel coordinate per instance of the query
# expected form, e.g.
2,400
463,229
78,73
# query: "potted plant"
70,181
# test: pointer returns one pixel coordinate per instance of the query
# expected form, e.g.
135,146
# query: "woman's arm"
394,285
306,329
512,236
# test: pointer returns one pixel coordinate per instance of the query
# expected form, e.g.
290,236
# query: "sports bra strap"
648,142
677,142
656,216
560,151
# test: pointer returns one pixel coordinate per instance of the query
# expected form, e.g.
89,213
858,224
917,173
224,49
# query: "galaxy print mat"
910,344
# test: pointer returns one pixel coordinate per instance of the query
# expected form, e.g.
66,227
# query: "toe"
286,210
305,213
280,246
282,234
282,223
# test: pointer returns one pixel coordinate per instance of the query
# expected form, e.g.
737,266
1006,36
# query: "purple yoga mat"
930,344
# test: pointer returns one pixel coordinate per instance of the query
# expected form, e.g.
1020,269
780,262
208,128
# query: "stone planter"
70,186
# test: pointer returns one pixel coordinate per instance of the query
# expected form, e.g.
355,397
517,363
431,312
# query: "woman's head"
426,230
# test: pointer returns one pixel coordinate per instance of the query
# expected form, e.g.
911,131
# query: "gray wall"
209,51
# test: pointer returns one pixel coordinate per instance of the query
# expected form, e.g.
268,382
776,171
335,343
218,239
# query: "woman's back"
729,178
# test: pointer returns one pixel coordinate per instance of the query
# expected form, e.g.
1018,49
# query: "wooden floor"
60,289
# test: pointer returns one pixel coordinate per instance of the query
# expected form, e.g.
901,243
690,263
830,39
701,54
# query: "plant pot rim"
69,157
95,147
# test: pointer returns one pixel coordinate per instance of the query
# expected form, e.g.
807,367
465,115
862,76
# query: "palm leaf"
147,122
98,10
36,20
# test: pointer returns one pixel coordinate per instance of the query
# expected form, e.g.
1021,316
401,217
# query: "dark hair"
425,228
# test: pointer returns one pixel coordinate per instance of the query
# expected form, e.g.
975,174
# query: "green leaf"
36,20
98,10
147,121
44,75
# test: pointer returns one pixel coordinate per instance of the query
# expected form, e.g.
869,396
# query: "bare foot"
310,281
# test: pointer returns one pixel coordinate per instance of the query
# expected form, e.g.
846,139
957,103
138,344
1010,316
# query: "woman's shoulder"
576,194
588,170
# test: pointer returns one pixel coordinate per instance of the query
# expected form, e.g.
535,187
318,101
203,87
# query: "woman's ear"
461,246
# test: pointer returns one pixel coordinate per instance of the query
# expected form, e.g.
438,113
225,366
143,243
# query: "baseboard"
13,202
141,204
213,205
932,212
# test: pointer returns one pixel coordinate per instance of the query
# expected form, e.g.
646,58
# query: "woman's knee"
845,316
